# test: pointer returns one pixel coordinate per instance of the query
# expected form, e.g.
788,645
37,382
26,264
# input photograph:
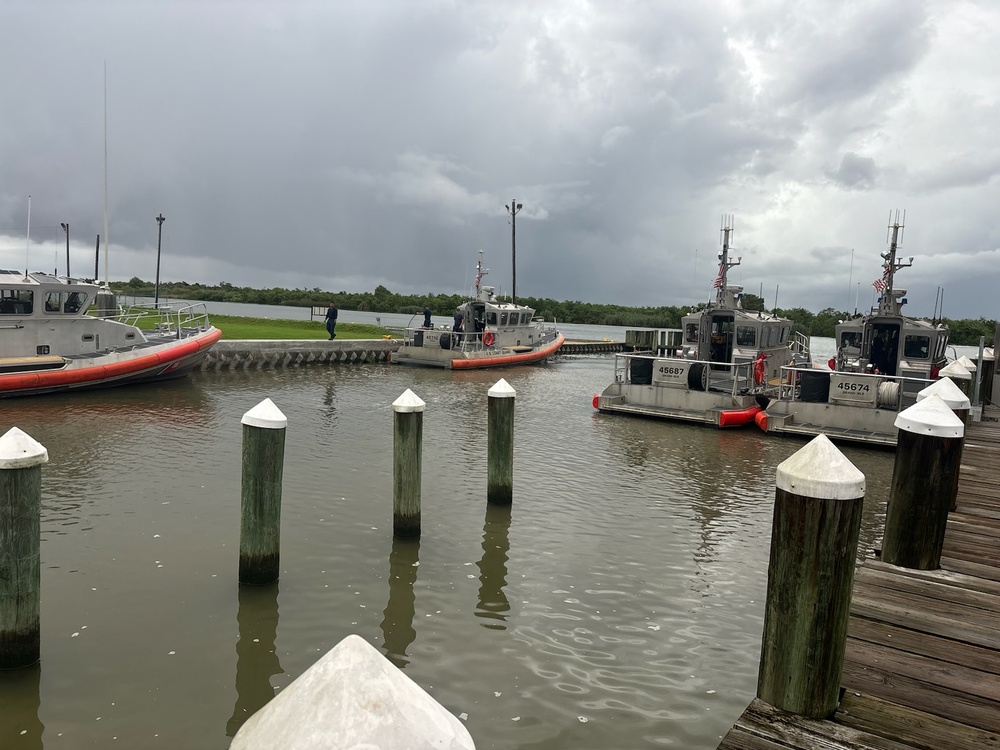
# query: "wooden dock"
922,664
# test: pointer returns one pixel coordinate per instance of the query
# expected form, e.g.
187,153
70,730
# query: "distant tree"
753,302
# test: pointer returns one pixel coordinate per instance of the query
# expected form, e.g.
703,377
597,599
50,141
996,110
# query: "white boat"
883,359
495,334
727,362
49,342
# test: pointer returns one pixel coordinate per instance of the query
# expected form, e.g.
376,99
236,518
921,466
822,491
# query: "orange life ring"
488,338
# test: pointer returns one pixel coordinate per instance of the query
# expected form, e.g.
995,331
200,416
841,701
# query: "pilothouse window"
916,347
746,336
16,301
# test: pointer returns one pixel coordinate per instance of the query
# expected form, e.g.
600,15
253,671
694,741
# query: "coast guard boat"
726,366
495,334
883,359
49,342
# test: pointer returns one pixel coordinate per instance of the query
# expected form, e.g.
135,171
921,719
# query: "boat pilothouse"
729,361
493,334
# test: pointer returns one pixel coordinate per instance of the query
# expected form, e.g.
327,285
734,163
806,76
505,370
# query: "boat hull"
161,361
480,358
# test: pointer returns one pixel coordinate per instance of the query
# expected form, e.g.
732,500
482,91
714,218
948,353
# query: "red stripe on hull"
508,359
171,362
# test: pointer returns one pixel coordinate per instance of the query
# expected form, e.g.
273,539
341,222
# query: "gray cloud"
346,145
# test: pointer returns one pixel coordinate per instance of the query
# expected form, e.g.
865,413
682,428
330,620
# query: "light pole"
65,227
159,237
512,209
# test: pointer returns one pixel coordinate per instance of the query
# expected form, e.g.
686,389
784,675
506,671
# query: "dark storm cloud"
347,145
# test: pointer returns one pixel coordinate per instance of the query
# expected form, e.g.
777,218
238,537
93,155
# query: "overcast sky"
343,145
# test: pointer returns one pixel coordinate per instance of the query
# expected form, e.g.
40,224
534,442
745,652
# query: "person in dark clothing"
459,325
427,316
331,321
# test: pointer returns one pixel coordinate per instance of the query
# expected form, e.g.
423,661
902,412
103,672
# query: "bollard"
260,508
353,698
814,539
407,436
928,450
959,403
500,448
988,371
21,459
960,375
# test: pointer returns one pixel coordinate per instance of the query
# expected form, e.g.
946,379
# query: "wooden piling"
959,404
960,375
21,459
260,509
500,444
407,439
928,452
817,515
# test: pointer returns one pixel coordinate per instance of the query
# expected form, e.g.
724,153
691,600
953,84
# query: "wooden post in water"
260,509
814,539
21,459
928,450
959,403
407,439
500,448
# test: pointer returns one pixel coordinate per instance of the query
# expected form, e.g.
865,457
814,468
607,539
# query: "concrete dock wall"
270,354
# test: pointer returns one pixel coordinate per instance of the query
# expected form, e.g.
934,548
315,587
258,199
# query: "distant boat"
719,369
48,342
495,334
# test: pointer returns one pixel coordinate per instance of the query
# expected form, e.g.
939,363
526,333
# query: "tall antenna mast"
107,242
894,236
27,241
725,231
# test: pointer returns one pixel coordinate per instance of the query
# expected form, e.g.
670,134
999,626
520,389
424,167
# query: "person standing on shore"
331,320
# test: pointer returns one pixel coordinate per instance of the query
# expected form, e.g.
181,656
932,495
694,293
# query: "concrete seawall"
270,354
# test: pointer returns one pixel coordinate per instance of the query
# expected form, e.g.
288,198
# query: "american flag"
879,285
718,279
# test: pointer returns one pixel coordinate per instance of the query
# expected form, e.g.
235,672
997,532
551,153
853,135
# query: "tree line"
963,332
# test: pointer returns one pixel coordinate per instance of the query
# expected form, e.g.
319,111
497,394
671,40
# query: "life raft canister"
488,337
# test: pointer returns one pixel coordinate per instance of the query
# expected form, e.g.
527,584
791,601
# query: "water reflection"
19,703
493,604
397,619
256,658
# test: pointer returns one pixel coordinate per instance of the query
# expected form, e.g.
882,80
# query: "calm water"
618,604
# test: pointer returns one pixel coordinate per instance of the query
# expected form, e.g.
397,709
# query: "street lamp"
159,236
65,227
512,209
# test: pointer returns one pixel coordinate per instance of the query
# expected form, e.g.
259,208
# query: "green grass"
264,328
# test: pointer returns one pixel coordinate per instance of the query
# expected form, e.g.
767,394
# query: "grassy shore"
236,328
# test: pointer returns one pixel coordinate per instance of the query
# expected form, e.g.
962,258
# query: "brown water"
617,604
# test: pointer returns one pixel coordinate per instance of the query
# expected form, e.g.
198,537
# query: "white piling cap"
821,471
353,697
266,415
988,354
408,401
967,363
18,450
932,416
501,389
950,393
955,370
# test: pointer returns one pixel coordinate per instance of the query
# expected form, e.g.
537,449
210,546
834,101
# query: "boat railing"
166,320
734,377
862,389
799,344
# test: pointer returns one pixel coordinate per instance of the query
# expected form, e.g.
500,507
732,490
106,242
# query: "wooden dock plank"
922,660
